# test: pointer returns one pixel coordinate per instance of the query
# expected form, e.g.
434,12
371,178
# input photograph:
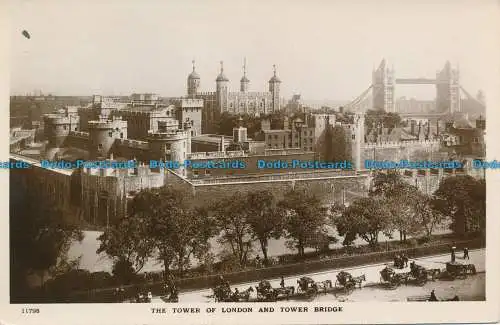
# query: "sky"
322,49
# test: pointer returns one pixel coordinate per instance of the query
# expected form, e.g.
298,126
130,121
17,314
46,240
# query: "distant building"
242,101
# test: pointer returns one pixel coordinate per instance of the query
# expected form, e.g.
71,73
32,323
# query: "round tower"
170,145
244,82
222,89
193,82
102,136
274,89
58,125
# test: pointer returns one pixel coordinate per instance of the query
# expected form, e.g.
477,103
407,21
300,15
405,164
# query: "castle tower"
383,88
274,88
193,82
244,82
167,144
58,125
358,139
102,135
222,89
448,89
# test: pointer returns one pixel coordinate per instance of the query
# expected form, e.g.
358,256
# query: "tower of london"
223,100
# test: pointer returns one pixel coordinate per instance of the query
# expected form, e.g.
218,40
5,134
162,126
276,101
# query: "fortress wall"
329,190
394,151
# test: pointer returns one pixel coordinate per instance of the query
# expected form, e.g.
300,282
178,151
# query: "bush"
123,272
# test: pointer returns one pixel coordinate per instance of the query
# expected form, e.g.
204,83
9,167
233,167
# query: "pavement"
372,273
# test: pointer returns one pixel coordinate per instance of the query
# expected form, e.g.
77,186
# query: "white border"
461,312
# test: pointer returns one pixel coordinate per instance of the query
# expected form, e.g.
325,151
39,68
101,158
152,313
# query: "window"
121,135
65,127
76,129
99,146
207,172
110,133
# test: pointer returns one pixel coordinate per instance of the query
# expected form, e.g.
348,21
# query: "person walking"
453,254
282,283
466,253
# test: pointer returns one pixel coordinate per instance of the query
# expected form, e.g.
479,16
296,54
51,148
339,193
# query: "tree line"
166,224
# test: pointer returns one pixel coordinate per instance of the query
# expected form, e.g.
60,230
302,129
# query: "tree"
265,218
389,120
231,215
304,218
40,238
366,218
127,241
463,198
178,228
427,217
401,200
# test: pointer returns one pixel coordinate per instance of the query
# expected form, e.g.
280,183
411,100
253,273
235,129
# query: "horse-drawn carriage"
222,293
418,274
143,297
307,287
346,281
400,261
391,279
458,270
265,291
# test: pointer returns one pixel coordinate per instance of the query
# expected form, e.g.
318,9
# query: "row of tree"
166,224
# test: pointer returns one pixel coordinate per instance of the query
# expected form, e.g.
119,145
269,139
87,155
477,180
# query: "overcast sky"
322,49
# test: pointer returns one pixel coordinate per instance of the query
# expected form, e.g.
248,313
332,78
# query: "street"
471,288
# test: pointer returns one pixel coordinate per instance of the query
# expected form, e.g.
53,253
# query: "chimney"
481,123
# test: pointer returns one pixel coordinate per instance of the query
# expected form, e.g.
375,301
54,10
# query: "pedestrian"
282,283
433,296
466,253
453,254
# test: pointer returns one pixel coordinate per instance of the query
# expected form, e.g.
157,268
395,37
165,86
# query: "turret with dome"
193,82
241,101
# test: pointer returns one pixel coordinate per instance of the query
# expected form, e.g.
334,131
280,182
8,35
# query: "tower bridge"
380,95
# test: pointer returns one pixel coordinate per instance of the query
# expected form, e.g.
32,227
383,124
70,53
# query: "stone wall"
328,189
413,150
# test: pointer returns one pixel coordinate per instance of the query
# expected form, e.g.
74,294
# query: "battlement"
284,152
250,94
134,144
393,144
281,177
206,93
187,102
116,122
217,154
172,135
78,134
61,119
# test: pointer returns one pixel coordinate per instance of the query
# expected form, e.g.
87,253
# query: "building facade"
223,100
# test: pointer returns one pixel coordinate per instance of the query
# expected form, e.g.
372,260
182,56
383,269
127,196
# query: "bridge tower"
448,89
383,88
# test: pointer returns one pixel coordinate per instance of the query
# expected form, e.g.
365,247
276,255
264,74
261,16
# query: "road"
472,288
